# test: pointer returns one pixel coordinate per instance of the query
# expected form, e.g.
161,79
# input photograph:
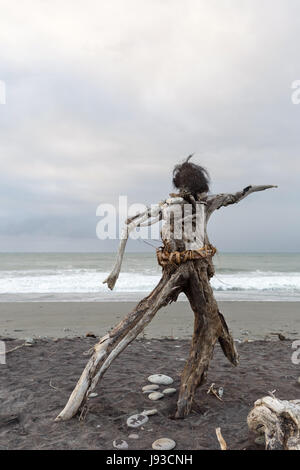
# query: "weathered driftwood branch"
278,420
139,220
222,200
210,327
110,346
221,439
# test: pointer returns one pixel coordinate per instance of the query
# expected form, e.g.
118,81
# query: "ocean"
36,277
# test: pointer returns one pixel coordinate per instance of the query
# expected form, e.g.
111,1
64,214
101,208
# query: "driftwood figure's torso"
186,260
185,225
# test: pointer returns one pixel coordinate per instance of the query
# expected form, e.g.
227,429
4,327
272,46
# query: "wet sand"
253,320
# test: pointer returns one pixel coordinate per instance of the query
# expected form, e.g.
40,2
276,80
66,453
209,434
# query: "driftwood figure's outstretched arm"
222,200
139,220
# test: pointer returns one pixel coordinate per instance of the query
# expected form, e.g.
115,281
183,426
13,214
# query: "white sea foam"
260,281
90,281
79,276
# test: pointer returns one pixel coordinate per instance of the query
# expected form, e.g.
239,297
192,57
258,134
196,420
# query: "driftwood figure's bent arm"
139,220
222,200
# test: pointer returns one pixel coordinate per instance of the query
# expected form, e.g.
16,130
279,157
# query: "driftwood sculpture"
186,260
278,421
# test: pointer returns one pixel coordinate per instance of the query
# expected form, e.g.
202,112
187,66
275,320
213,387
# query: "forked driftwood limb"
191,278
111,345
278,420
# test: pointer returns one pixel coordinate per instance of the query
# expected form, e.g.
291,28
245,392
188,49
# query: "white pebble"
163,444
169,391
150,412
260,440
133,436
156,396
150,388
160,379
120,444
93,395
29,341
135,421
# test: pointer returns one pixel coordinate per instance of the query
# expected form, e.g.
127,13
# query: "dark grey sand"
37,381
253,320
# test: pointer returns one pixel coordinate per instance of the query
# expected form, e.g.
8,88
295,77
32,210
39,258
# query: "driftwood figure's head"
191,177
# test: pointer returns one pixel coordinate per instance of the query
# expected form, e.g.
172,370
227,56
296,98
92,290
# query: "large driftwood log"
278,420
193,279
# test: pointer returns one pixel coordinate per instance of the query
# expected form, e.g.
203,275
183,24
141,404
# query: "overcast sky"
104,97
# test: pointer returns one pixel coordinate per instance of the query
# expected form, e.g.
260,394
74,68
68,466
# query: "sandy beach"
253,320
36,381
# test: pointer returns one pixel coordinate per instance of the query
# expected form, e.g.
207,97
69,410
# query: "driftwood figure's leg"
111,345
209,327
227,343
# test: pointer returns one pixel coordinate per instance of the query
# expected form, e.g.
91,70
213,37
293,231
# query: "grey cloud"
108,97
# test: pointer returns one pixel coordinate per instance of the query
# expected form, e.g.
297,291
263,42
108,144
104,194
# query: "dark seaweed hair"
191,177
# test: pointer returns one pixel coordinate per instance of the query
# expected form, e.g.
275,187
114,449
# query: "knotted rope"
165,257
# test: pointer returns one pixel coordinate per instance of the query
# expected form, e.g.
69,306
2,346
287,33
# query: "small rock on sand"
155,396
169,391
133,436
163,444
29,341
160,379
260,440
150,412
135,421
90,334
120,444
93,395
150,388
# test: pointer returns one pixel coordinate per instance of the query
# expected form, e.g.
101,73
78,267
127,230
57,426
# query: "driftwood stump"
192,278
278,421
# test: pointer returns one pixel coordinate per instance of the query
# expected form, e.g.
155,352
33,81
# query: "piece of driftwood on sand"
278,420
181,273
